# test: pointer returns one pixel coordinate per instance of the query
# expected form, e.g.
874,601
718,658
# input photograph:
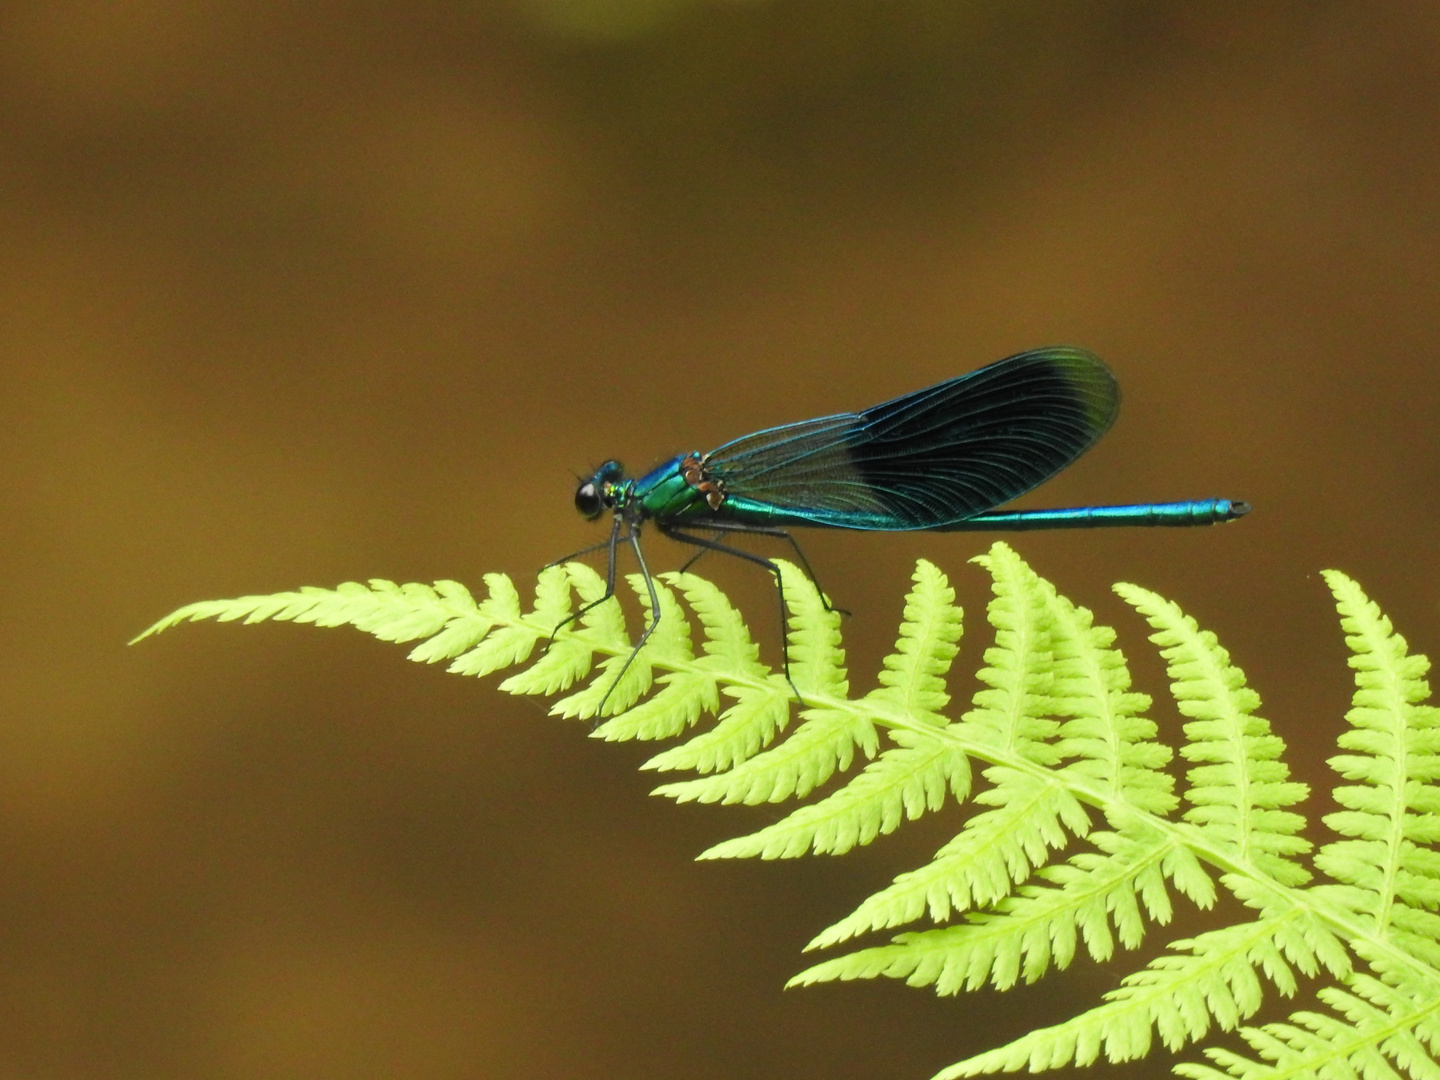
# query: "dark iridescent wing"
932,457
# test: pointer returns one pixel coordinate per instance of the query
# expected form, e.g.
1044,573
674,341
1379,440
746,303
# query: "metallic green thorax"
664,493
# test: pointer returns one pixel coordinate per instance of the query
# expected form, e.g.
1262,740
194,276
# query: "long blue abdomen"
1179,514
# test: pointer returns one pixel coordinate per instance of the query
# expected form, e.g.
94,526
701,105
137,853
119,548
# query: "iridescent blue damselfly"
935,460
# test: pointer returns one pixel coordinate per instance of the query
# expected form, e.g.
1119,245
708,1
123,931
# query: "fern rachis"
1081,834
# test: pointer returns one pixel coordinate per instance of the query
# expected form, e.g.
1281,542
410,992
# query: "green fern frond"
912,679
816,660
1385,875
1078,841
825,742
762,706
688,691
1204,982
1238,792
1112,742
1117,766
1015,711
1387,872
904,781
565,661
1380,1032
1091,899
508,639
753,722
998,850
391,612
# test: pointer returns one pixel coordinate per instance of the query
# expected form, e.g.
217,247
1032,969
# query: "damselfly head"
596,495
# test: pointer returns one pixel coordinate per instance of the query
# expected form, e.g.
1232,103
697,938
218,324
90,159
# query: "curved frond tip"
1068,836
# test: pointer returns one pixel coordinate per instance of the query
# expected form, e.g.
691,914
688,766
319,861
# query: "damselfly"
940,459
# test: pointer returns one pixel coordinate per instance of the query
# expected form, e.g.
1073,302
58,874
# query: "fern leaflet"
1077,840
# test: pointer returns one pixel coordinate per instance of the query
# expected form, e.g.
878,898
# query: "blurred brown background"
307,293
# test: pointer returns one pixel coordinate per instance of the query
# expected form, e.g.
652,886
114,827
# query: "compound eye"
588,501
